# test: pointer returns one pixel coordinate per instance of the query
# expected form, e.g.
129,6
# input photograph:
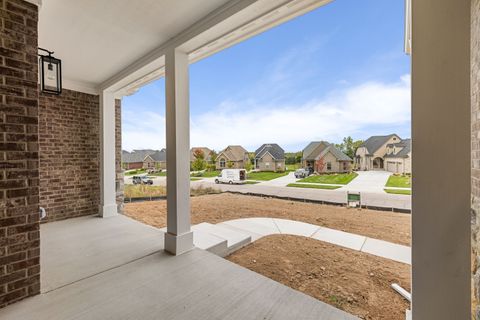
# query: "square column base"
178,244
109,210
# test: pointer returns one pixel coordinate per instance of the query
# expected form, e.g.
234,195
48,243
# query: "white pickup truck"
232,176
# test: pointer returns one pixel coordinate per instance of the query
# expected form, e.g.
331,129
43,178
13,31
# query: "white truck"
232,176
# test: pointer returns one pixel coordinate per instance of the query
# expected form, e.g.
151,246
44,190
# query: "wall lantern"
50,72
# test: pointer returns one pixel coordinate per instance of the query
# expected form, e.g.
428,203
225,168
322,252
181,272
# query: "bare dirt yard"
383,225
353,281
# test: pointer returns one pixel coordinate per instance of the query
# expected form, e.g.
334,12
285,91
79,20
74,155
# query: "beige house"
233,157
324,157
156,160
399,157
270,157
384,153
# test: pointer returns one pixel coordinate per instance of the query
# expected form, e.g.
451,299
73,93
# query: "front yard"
399,181
335,178
265,175
353,281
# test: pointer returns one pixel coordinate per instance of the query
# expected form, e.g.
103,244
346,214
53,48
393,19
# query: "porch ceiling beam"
197,28
231,24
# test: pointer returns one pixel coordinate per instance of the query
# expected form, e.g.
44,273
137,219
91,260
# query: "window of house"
222,163
329,166
267,164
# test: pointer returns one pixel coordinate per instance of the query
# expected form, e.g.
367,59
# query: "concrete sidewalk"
228,236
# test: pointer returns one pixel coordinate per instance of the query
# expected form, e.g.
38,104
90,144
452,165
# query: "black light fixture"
50,72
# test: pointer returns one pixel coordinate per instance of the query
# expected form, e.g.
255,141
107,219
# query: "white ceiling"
96,39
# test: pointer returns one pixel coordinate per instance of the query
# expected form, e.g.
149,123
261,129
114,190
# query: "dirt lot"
356,282
389,226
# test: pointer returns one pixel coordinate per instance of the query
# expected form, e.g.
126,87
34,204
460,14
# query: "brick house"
270,157
233,157
63,153
389,153
324,157
144,159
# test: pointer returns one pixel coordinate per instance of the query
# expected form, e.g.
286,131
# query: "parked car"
232,176
142,180
302,173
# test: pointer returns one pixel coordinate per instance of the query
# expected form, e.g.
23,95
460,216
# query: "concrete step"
209,242
235,239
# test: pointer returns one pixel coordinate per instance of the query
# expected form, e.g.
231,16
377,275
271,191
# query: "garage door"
392,167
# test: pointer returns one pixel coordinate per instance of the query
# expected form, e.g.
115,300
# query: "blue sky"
337,71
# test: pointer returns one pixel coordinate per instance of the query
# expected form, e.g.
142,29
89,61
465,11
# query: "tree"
349,147
199,163
230,164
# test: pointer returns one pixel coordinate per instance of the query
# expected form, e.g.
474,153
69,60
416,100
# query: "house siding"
19,176
69,131
267,163
475,152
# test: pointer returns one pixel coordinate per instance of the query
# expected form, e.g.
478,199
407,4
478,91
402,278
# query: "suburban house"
61,152
372,154
324,157
144,159
398,158
207,153
270,157
233,157
156,160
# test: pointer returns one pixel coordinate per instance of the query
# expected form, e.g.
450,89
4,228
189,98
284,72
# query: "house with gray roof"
389,152
325,157
144,159
233,157
270,157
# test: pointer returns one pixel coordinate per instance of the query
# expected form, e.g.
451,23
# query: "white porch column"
178,238
441,159
108,207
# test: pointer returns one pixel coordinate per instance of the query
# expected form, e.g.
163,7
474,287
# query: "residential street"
369,183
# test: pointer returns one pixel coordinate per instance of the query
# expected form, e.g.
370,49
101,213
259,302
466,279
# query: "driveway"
369,181
280,182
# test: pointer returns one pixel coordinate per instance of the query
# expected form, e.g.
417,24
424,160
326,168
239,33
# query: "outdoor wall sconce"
50,73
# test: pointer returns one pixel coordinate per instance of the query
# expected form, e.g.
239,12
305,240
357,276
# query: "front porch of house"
116,268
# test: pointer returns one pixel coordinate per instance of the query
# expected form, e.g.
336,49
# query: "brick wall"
70,155
19,226
475,95
69,140
118,154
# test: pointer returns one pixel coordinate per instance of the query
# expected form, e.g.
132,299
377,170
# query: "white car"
232,176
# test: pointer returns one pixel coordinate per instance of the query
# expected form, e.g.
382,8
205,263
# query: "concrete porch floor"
115,268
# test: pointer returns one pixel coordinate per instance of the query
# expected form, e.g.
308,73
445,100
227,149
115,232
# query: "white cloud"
345,112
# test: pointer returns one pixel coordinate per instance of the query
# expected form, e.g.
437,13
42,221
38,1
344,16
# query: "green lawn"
293,167
251,182
398,191
159,174
264,176
312,186
340,178
134,172
399,181
195,179
206,174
